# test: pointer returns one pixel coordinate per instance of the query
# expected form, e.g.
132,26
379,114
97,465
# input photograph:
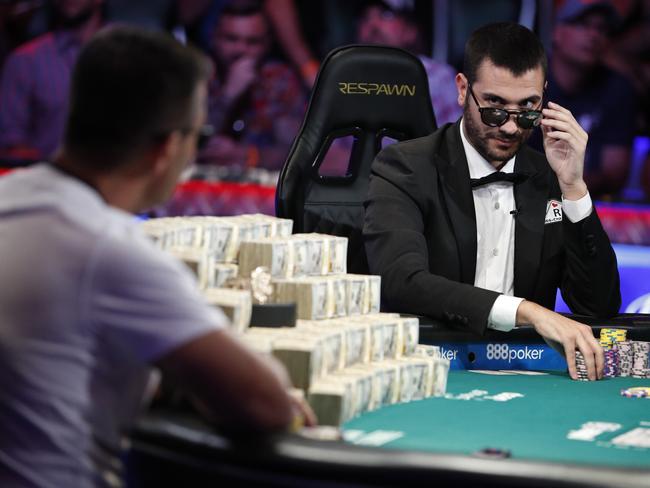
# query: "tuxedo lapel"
530,201
460,203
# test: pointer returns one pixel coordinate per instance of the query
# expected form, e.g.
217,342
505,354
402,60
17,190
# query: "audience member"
256,104
601,100
381,23
35,79
283,16
93,303
629,53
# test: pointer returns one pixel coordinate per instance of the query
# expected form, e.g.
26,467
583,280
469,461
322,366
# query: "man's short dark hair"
129,87
507,45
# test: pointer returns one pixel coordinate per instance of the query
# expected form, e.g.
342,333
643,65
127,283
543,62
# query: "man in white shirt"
88,303
470,226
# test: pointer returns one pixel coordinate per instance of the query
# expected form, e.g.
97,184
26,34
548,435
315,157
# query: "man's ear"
162,154
461,86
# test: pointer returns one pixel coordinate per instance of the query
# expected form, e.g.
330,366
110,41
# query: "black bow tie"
499,176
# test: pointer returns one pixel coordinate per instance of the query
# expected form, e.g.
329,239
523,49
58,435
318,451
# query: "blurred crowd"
266,55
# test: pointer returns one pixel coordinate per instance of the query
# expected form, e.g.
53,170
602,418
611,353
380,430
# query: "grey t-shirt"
87,303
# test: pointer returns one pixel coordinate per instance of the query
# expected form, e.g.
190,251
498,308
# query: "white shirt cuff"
503,315
576,210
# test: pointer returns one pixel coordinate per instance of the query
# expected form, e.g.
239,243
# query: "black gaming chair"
372,93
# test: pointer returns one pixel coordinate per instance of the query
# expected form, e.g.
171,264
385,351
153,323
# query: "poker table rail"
637,326
172,450
521,348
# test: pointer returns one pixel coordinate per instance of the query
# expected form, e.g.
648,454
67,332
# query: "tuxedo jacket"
420,236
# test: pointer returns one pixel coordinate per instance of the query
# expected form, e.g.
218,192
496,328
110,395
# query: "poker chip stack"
625,358
640,361
636,392
610,337
611,368
581,367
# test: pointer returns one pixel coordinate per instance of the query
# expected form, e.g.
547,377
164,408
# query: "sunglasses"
496,117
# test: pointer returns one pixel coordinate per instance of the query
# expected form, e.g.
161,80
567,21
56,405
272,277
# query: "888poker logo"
520,356
502,356
504,352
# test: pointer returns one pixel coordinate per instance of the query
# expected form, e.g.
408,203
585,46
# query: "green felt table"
533,416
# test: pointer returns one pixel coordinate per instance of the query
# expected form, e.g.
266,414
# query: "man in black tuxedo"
471,226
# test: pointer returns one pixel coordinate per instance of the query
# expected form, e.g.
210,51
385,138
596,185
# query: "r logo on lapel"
553,212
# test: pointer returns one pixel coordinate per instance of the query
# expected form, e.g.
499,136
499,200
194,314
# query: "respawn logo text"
377,89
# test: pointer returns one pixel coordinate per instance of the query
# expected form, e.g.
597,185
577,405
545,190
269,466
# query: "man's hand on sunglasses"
565,143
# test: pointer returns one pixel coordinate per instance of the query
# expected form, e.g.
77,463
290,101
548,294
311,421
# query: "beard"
486,139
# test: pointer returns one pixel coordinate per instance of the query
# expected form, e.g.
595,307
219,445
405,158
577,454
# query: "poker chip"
636,392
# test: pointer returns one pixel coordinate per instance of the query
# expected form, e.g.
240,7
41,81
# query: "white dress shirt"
495,234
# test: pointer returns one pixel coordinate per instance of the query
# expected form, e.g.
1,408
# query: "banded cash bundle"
236,304
363,293
267,225
222,236
364,388
355,338
353,341
332,401
382,383
272,253
322,297
293,256
350,392
172,232
218,236
303,358
307,355
311,294
333,345
195,260
252,227
325,254
318,254
390,336
341,396
409,335
416,380
438,365
209,272
384,332
218,274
